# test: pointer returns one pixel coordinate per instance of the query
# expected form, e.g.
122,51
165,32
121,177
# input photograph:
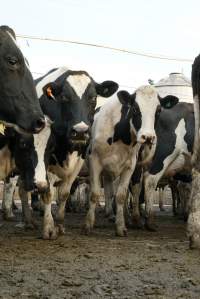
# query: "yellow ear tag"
2,129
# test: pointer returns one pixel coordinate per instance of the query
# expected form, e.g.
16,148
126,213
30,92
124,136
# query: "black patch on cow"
166,137
190,128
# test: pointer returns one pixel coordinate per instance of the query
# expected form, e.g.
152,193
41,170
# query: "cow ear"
125,97
8,29
106,88
51,90
168,101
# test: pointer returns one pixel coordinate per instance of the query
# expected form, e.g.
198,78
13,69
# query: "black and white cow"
172,157
24,155
122,125
19,105
68,98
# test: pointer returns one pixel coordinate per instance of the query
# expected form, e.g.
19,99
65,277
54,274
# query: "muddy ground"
142,265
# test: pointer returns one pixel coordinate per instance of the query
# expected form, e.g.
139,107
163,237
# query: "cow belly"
118,158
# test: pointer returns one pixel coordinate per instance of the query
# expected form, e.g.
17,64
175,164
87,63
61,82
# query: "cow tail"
196,97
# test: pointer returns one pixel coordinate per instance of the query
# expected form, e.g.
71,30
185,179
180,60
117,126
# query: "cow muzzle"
147,139
80,134
41,187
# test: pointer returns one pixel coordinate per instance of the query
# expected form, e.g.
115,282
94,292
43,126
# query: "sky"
170,28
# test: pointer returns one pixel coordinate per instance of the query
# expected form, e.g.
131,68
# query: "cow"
172,157
122,126
68,98
19,105
24,155
193,225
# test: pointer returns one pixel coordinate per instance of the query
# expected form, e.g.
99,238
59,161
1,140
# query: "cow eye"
12,61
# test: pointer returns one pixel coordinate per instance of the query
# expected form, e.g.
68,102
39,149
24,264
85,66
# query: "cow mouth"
80,139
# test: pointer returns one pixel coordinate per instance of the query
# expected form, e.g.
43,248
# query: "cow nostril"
143,137
73,133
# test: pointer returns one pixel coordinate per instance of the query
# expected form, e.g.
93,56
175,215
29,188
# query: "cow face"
143,109
30,159
19,105
70,102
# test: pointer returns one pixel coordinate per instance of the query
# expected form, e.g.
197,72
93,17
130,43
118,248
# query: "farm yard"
153,265
99,149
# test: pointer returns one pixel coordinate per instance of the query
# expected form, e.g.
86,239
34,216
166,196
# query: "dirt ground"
142,265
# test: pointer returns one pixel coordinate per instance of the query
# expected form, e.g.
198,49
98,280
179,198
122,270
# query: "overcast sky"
169,28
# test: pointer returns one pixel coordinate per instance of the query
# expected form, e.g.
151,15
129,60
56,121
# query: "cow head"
30,159
19,105
70,100
143,109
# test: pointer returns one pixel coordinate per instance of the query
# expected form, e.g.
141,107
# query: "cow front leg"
63,194
109,195
136,217
193,223
30,221
7,201
95,192
50,231
121,195
161,199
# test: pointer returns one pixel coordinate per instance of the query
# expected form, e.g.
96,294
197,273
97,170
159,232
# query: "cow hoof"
86,230
51,233
121,232
194,243
61,229
137,224
151,227
31,225
8,217
111,218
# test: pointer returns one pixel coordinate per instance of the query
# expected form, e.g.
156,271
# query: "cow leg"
30,222
109,194
7,201
193,223
136,217
136,188
161,201
120,199
150,184
50,231
64,192
95,192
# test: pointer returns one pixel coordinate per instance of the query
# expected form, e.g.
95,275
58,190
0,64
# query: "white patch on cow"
147,99
48,79
79,83
81,127
40,143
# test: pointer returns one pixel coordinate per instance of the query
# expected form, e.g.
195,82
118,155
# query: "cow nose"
81,127
42,187
38,124
148,139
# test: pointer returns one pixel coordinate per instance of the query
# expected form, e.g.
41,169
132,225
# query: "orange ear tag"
50,94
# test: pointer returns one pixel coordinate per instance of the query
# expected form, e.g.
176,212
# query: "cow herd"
51,129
